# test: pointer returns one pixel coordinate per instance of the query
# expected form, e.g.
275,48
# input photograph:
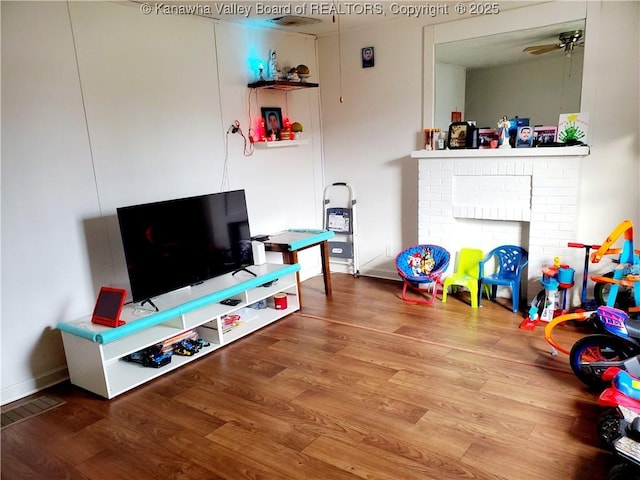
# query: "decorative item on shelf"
272,118
524,137
431,136
573,128
503,132
260,71
544,135
515,123
473,138
296,131
456,116
488,138
458,135
303,72
293,75
285,133
273,72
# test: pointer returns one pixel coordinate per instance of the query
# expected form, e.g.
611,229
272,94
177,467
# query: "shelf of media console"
95,353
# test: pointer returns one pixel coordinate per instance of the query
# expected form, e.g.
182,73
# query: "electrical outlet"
389,251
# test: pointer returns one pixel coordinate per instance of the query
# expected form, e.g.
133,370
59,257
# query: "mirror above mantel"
477,66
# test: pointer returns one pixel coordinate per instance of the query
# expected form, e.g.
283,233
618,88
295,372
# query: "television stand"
96,354
150,302
244,269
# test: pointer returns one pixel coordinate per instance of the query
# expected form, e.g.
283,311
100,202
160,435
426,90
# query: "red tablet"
109,306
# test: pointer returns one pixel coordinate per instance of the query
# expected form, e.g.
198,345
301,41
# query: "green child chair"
466,274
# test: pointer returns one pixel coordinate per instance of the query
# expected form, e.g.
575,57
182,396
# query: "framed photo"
524,137
368,59
272,118
458,135
487,138
544,134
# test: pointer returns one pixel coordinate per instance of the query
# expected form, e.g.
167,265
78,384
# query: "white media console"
95,354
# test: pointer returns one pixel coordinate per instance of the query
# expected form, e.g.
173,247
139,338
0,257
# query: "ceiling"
503,48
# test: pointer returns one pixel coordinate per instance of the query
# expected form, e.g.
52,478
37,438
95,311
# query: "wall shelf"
280,143
284,85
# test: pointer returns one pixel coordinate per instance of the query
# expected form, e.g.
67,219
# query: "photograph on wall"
368,59
524,137
573,128
272,118
544,135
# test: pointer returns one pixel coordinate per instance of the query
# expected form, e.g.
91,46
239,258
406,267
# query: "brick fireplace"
486,198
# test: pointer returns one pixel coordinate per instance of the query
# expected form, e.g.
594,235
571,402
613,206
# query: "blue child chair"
510,261
422,265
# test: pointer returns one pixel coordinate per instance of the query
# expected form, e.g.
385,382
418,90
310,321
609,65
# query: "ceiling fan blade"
540,49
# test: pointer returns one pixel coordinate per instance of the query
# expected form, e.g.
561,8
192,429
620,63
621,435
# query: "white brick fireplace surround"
486,198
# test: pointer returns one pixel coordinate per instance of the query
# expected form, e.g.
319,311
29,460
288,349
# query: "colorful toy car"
186,347
153,356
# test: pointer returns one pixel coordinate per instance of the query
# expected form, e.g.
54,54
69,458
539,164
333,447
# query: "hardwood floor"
358,386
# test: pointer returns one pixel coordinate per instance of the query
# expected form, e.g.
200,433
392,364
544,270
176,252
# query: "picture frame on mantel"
457,135
544,134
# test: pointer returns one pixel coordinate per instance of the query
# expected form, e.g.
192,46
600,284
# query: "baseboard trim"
33,385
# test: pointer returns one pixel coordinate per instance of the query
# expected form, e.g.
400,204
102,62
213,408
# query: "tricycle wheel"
596,348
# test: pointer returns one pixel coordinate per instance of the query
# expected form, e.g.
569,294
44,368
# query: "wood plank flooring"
358,386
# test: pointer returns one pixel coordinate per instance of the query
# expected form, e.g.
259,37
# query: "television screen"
177,243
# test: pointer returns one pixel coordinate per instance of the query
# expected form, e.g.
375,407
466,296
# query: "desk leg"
290,258
326,268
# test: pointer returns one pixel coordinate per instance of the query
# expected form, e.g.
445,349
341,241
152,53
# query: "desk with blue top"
289,242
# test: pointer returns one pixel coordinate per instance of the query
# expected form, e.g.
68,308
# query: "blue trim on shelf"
117,333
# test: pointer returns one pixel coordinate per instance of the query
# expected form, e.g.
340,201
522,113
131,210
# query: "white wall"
368,139
105,107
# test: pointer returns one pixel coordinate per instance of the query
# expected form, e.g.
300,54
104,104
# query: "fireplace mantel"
503,152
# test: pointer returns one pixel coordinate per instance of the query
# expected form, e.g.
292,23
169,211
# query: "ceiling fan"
568,41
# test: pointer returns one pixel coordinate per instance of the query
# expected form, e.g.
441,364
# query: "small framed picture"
544,134
368,59
487,138
272,118
524,137
458,135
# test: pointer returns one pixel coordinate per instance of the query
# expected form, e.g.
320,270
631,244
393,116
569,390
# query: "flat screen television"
176,243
